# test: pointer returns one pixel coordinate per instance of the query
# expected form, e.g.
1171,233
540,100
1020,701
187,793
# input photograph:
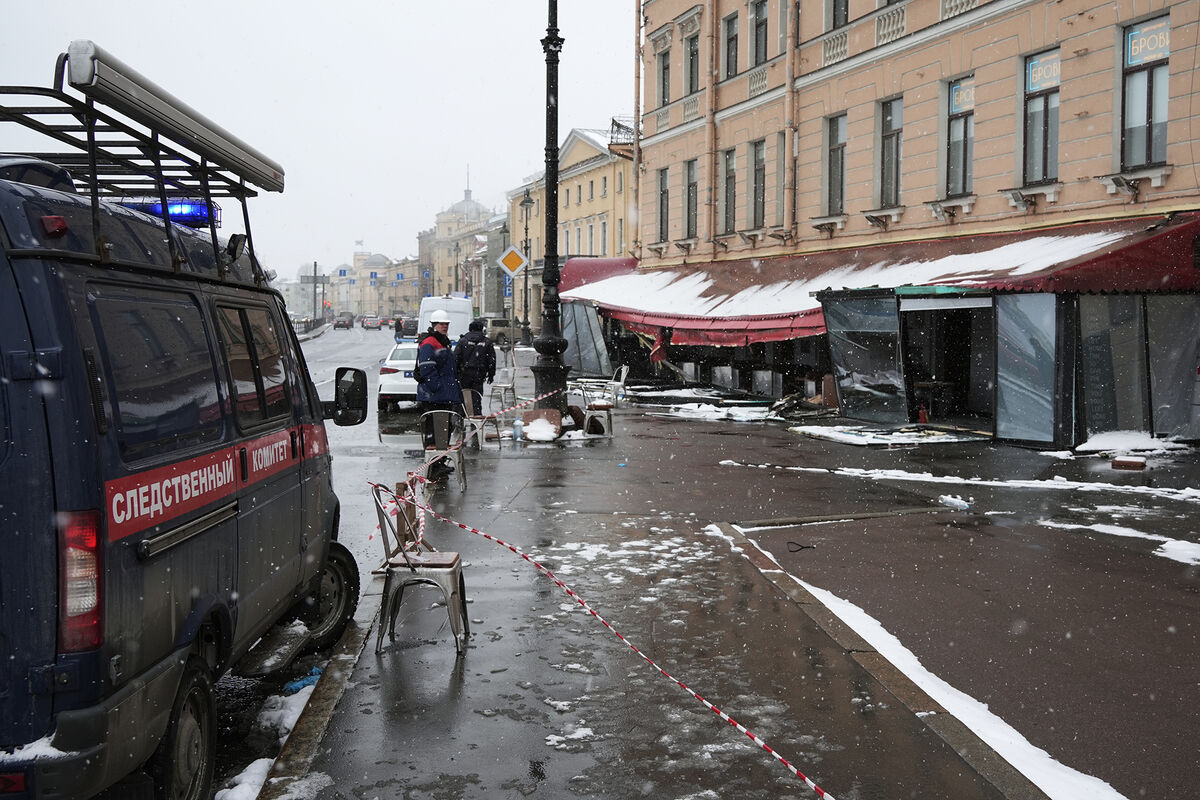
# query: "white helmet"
439,316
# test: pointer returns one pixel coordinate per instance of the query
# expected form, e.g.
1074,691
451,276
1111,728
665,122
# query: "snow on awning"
740,301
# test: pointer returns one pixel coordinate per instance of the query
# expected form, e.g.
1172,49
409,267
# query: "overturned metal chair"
409,560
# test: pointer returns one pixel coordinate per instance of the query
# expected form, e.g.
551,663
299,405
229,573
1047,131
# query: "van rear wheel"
336,599
182,766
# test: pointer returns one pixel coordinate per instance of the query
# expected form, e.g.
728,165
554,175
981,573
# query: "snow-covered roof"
1069,258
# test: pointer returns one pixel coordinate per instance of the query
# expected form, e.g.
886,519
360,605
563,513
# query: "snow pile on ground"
1120,442
864,435
541,430
704,411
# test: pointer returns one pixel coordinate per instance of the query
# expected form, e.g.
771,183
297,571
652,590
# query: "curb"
300,748
977,754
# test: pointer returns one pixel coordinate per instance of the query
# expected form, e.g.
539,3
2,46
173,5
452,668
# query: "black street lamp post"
526,334
549,372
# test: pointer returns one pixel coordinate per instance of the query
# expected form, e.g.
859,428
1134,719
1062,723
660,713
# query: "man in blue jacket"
437,384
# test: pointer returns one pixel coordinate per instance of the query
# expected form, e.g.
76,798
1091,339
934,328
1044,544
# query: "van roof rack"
128,137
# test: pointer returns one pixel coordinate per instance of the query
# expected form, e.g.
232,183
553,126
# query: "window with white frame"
760,32
960,140
604,186
1041,118
758,191
731,46
664,78
840,13
603,237
664,205
729,198
691,199
891,129
691,63
835,198
591,228
1144,106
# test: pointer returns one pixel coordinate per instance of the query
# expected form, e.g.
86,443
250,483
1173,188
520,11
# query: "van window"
164,383
256,364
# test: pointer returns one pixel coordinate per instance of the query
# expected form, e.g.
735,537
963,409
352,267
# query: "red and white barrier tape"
444,453
572,594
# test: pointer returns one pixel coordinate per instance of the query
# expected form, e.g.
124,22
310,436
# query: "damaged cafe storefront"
1041,336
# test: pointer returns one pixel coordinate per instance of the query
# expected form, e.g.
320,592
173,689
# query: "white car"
397,380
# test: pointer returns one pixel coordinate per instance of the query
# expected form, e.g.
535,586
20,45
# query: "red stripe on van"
144,499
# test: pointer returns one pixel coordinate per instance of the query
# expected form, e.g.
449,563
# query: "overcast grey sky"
375,108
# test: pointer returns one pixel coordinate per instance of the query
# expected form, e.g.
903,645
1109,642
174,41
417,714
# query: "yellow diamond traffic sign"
512,260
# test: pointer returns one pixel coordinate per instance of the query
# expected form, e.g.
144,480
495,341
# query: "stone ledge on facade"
948,208
882,217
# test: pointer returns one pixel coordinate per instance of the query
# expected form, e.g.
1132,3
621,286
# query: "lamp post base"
549,372
526,335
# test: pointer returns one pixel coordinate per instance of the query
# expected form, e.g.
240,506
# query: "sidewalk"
1061,634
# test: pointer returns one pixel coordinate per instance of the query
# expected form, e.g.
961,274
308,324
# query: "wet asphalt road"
1069,635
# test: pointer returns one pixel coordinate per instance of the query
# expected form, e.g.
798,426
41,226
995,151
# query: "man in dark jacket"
437,382
475,361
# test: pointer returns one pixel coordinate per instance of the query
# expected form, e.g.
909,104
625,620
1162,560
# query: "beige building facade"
773,127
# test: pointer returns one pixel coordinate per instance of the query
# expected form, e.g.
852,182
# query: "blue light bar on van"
98,74
189,211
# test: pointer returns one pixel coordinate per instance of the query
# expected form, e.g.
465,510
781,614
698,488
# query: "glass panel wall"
1111,330
1025,360
864,336
1173,323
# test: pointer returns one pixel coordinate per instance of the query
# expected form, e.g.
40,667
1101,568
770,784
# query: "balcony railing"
835,48
662,119
889,26
691,108
757,80
952,8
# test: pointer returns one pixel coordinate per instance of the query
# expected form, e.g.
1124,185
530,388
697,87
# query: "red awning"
740,301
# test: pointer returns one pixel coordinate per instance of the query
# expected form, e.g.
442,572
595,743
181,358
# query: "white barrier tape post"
571,593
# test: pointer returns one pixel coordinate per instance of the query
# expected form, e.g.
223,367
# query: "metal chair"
477,423
596,407
504,389
615,388
409,560
449,438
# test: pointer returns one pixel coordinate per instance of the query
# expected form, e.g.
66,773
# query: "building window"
620,182
758,192
591,239
730,198
1041,118
664,78
836,164
1144,123
691,49
578,193
691,200
579,241
731,46
664,206
603,237
591,190
960,143
891,125
841,13
620,236
760,32
604,186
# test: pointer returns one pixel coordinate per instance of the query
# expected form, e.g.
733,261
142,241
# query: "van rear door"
28,538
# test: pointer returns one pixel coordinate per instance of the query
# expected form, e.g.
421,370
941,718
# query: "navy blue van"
165,489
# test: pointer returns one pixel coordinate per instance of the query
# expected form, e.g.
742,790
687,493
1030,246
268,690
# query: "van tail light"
387,370
80,618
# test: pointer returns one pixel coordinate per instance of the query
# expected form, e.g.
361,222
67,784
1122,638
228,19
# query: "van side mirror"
349,406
